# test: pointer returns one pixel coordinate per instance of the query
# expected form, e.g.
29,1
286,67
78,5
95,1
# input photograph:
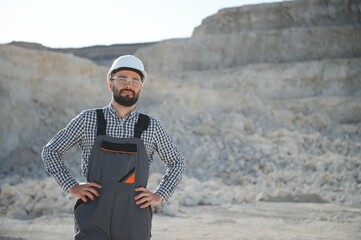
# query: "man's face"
126,86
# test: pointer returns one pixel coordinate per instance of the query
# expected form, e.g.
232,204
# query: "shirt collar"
114,113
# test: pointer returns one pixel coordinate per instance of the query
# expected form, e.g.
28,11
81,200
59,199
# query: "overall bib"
119,165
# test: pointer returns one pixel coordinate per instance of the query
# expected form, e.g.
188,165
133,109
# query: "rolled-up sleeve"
53,151
170,154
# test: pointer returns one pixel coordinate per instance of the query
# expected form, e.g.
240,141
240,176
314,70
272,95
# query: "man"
117,144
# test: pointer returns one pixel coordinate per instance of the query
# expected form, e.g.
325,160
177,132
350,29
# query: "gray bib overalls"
119,165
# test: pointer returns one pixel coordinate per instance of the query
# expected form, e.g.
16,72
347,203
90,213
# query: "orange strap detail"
115,151
130,179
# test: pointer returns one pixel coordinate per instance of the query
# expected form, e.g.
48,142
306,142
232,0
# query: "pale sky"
80,23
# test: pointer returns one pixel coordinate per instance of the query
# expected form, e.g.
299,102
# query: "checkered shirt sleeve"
172,157
59,144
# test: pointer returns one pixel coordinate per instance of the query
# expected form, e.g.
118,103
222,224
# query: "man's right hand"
85,191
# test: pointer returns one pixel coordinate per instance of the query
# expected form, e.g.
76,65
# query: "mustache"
123,90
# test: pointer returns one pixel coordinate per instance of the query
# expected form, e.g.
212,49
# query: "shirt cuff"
69,185
65,182
163,193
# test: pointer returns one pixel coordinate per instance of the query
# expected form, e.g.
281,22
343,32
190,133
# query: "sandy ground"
249,221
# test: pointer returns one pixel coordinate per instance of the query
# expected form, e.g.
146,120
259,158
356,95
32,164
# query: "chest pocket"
126,148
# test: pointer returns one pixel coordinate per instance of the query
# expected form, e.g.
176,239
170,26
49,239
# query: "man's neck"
121,110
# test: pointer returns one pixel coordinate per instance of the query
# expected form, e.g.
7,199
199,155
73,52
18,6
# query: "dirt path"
249,221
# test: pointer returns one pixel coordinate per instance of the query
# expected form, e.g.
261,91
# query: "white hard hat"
128,62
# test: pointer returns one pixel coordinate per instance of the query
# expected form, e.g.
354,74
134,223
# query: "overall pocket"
118,165
126,148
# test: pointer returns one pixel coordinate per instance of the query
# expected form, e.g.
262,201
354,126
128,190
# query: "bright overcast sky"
79,23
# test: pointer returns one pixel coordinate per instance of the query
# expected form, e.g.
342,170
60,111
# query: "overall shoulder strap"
102,123
141,125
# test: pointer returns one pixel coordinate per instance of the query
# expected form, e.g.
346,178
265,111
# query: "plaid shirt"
81,131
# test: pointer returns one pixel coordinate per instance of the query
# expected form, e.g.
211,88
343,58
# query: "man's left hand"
146,198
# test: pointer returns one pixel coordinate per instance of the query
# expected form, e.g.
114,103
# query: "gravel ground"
248,221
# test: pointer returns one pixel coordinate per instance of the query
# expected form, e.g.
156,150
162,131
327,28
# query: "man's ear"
110,85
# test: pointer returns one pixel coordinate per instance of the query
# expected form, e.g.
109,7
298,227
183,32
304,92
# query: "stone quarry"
263,100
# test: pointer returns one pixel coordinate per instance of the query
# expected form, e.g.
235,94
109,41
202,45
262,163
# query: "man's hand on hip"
146,198
85,191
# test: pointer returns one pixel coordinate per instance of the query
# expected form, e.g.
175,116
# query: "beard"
126,100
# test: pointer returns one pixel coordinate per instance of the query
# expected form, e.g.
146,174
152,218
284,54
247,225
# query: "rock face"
40,91
279,16
273,33
101,55
266,97
264,101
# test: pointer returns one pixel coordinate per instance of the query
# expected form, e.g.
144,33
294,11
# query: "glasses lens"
136,82
124,81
